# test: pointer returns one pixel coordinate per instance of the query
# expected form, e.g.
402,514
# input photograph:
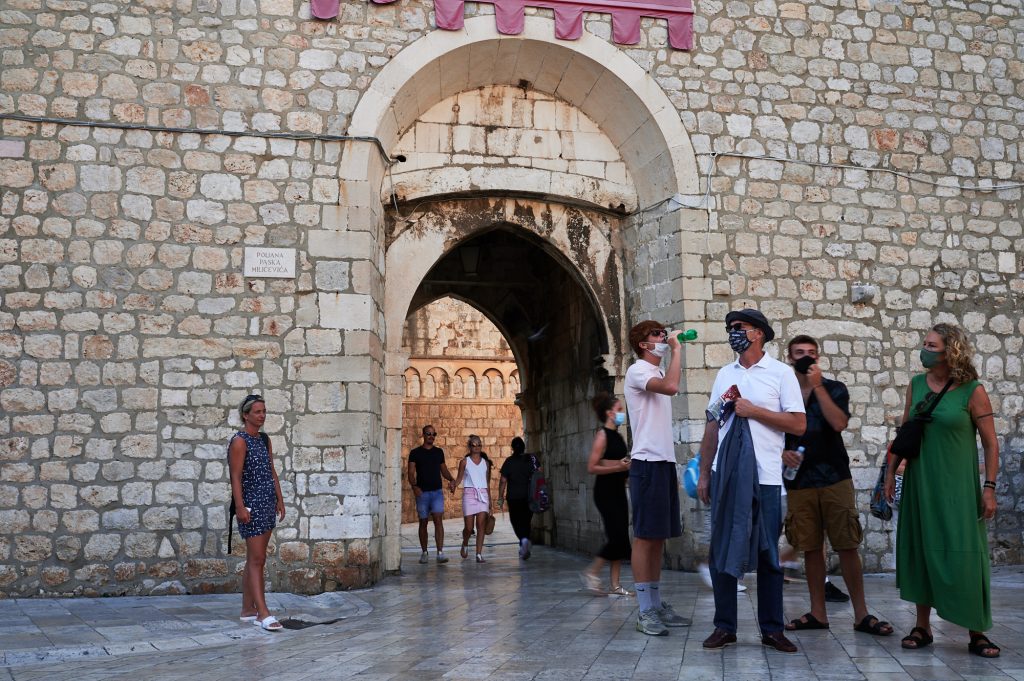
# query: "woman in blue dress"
256,492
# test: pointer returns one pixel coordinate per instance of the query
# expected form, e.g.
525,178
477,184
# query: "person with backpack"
257,503
475,472
515,478
609,462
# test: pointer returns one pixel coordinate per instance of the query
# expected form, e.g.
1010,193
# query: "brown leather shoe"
778,641
720,638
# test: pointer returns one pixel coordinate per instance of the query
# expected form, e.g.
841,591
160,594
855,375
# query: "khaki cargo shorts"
813,512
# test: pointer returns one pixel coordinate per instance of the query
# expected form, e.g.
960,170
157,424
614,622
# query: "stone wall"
128,335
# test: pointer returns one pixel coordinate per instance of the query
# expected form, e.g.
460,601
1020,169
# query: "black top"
615,450
428,467
825,459
517,469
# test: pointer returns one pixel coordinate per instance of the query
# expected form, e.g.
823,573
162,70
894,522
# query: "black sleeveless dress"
610,498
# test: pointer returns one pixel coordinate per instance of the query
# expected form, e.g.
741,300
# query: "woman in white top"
475,474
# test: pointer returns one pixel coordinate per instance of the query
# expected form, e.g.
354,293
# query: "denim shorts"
428,503
654,495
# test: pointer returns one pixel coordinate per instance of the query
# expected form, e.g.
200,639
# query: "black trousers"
614,509
521,516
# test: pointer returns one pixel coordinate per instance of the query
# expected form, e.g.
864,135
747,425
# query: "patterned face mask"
738,341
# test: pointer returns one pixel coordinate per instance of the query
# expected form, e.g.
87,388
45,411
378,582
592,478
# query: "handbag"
489,523
907,443
880,508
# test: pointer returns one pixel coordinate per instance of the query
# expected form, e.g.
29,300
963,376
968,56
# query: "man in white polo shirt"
653,489
771,401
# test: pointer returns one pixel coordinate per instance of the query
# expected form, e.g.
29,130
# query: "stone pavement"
500,620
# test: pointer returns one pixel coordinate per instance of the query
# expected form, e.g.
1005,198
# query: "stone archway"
555,297
588,74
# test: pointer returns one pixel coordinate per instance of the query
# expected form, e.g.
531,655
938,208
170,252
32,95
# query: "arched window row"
437,383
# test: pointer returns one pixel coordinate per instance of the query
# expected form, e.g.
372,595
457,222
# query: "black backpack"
231,507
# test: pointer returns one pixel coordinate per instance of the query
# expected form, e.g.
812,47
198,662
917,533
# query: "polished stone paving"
504,619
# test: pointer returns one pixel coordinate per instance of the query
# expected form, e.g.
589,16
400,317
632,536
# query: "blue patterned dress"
258,489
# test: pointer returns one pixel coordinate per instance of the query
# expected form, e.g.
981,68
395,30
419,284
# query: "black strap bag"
909,436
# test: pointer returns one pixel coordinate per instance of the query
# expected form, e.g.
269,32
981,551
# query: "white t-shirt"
772,385
650,414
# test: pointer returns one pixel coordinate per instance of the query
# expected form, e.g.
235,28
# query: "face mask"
803,365
659,349
738,341
620,418
929,358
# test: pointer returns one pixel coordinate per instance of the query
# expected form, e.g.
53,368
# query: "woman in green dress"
942,557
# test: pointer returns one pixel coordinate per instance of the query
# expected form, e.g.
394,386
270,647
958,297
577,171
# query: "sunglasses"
252,398
734,327
430,434
661,333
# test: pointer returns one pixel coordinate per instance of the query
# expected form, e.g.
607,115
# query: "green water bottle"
688,335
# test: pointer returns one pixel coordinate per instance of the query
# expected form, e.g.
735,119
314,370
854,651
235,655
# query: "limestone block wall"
127,333
495,421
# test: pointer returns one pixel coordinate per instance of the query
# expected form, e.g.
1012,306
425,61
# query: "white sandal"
480,559
269,623
248,618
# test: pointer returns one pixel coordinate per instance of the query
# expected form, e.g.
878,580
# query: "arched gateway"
563,276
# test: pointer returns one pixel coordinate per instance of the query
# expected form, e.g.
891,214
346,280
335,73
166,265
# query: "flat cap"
753,317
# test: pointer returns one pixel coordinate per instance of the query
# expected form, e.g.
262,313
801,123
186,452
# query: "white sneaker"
705,575
424,557
740,587
524,550
441,558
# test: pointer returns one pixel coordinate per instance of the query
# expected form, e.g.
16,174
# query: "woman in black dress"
609,461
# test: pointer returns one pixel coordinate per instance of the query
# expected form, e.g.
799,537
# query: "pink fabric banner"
324,9
568,22
509,16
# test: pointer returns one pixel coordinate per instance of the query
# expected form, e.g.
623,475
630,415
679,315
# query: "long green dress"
941,545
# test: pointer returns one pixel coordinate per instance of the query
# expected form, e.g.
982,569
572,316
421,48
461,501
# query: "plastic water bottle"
688,335
790,471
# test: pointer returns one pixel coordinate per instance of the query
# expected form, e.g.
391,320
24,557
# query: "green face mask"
929,358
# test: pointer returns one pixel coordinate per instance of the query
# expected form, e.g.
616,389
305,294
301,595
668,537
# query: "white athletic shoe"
705,575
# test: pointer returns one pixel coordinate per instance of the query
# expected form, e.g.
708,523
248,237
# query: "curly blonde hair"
959,352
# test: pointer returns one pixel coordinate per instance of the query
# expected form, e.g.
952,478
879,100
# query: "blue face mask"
620,418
